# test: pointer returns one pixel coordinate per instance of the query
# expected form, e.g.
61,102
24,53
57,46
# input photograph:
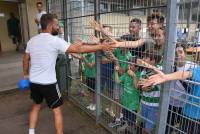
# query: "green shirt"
123,58
89,72
130,96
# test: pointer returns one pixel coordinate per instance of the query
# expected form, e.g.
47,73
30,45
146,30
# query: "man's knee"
57,110
36,107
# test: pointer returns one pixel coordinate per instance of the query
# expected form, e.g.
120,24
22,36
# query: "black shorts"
50,93
91,84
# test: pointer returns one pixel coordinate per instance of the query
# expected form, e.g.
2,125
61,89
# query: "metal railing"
108,90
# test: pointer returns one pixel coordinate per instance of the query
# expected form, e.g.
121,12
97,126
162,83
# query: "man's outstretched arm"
80,48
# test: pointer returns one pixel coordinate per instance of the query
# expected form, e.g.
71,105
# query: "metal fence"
107,89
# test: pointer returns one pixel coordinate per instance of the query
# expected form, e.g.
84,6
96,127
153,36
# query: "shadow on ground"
16,105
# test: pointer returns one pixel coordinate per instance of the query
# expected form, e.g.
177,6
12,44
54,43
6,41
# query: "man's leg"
33,117
58,119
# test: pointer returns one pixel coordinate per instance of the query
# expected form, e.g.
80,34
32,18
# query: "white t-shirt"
38,17
44,49
189,65
178,93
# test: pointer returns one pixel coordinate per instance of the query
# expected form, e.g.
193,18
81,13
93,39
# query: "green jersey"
123,58
130,96
89,72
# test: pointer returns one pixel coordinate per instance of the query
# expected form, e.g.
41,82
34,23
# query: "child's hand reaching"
93,39
131,73
99,27
82,57
96,25
117,68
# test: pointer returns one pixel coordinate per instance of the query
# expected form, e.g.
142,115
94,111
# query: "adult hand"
153,80
108,46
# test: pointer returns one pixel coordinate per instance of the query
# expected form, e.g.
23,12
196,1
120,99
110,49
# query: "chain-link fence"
154,36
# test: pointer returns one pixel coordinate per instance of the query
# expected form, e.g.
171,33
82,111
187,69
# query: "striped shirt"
152,96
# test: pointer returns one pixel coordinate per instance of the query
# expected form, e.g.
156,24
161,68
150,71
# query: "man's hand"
108,46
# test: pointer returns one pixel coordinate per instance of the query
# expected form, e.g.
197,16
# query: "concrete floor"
16,105
10,70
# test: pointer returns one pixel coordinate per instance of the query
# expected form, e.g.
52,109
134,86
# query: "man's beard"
55,32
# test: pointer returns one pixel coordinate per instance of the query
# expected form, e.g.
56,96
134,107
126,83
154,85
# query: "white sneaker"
110,112
89,106
121,115
93,107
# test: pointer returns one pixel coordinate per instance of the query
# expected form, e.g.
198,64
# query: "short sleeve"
195,74
27,48
61,45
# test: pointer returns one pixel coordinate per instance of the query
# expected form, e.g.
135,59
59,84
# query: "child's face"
160,37
149,61
134,28
181,57
153,25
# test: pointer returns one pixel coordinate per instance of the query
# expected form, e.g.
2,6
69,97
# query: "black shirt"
134,51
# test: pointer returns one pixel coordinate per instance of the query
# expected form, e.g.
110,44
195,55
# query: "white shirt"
38,17
44,49
178,93
189,65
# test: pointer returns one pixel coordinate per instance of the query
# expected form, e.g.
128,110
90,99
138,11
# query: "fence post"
98,64
169,55
68,60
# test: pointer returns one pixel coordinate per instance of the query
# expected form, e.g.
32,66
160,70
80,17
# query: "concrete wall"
31,28
6,8
32,11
